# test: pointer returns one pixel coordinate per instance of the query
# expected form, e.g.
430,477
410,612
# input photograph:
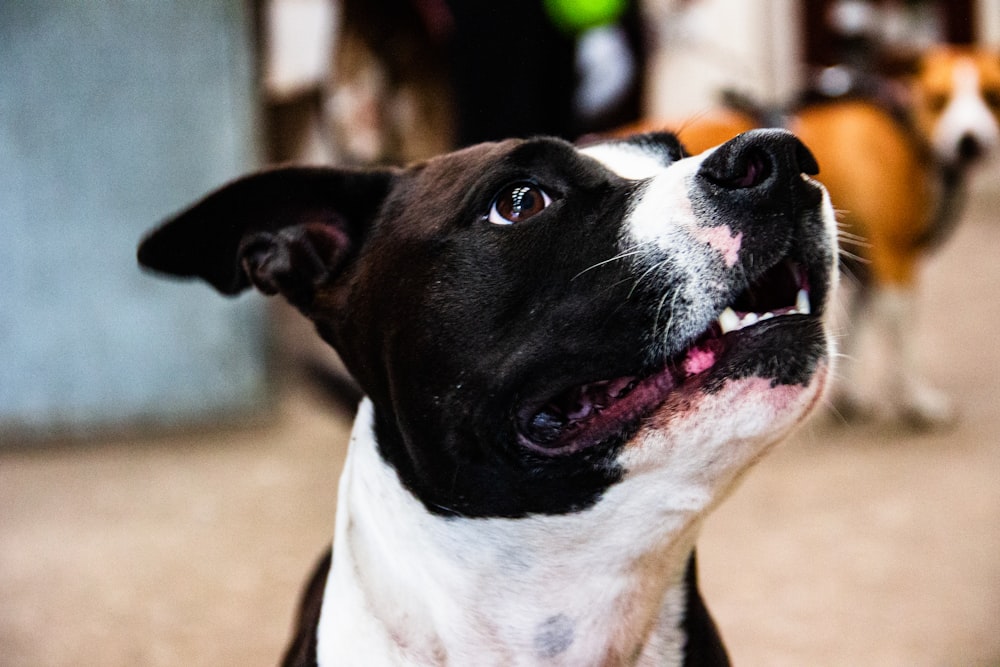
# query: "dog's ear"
287,230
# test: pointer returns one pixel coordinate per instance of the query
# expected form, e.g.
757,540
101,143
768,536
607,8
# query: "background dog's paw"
924,408
848,408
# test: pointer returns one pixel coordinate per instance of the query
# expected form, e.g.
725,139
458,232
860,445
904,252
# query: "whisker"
622,255
850,275
659,309
689,121
831,406
645,273
851,255
844,234
857,242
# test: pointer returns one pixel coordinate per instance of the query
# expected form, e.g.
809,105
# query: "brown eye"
936,102
992,97
517,203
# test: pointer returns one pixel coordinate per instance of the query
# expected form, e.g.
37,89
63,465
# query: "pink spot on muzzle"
722,240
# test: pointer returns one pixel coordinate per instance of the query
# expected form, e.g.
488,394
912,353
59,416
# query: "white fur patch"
411,588
627,160
553,590
663,207
662,227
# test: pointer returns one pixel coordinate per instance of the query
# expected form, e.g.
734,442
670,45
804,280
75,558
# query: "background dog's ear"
287,230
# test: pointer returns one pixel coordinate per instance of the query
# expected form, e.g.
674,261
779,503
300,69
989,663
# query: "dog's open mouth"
592,413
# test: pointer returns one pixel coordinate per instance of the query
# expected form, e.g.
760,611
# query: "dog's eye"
517,203
936,102
992,97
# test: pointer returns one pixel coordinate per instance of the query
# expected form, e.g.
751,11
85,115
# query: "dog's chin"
742,337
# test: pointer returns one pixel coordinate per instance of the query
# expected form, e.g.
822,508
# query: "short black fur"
703,647
451,324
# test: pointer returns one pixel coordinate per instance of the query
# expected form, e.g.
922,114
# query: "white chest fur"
603,586
411,588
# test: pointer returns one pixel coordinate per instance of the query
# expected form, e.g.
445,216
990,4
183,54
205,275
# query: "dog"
897,172
570,355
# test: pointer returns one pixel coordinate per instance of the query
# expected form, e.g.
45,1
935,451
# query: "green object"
579,15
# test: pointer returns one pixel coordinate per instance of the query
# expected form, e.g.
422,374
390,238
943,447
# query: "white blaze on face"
663,226
664,205
627,160
965,115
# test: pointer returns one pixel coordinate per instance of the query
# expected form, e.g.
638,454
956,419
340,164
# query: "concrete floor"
848,546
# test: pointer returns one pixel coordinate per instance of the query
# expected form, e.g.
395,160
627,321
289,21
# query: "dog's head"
536,323
956,102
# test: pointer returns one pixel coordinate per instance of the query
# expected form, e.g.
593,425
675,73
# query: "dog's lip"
596,412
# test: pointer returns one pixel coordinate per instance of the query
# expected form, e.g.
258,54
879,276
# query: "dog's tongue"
701,357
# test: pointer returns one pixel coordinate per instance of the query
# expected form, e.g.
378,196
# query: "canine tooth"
802,302
619,387
729,320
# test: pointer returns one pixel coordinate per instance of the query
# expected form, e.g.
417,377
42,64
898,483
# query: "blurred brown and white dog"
898,178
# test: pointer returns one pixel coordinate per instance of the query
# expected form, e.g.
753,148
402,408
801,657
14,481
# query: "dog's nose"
969,148
759,159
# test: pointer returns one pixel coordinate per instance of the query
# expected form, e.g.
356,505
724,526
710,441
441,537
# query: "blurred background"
168,459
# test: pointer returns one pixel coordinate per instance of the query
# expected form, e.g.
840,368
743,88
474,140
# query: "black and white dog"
570,356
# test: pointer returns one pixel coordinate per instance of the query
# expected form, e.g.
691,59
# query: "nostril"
969,147
755,167
743,169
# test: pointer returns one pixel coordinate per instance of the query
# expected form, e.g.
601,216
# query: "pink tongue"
699,360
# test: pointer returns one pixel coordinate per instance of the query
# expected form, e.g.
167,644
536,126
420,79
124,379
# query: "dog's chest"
409,587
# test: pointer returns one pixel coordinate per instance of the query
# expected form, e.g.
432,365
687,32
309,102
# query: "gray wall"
113,114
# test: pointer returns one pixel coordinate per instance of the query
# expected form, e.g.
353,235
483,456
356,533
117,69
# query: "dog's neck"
556,590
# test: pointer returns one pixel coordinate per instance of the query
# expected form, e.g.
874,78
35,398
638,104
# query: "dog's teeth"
729,321
802,304
620,387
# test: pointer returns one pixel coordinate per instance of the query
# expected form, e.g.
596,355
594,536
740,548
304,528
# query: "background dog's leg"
893,310
849,401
